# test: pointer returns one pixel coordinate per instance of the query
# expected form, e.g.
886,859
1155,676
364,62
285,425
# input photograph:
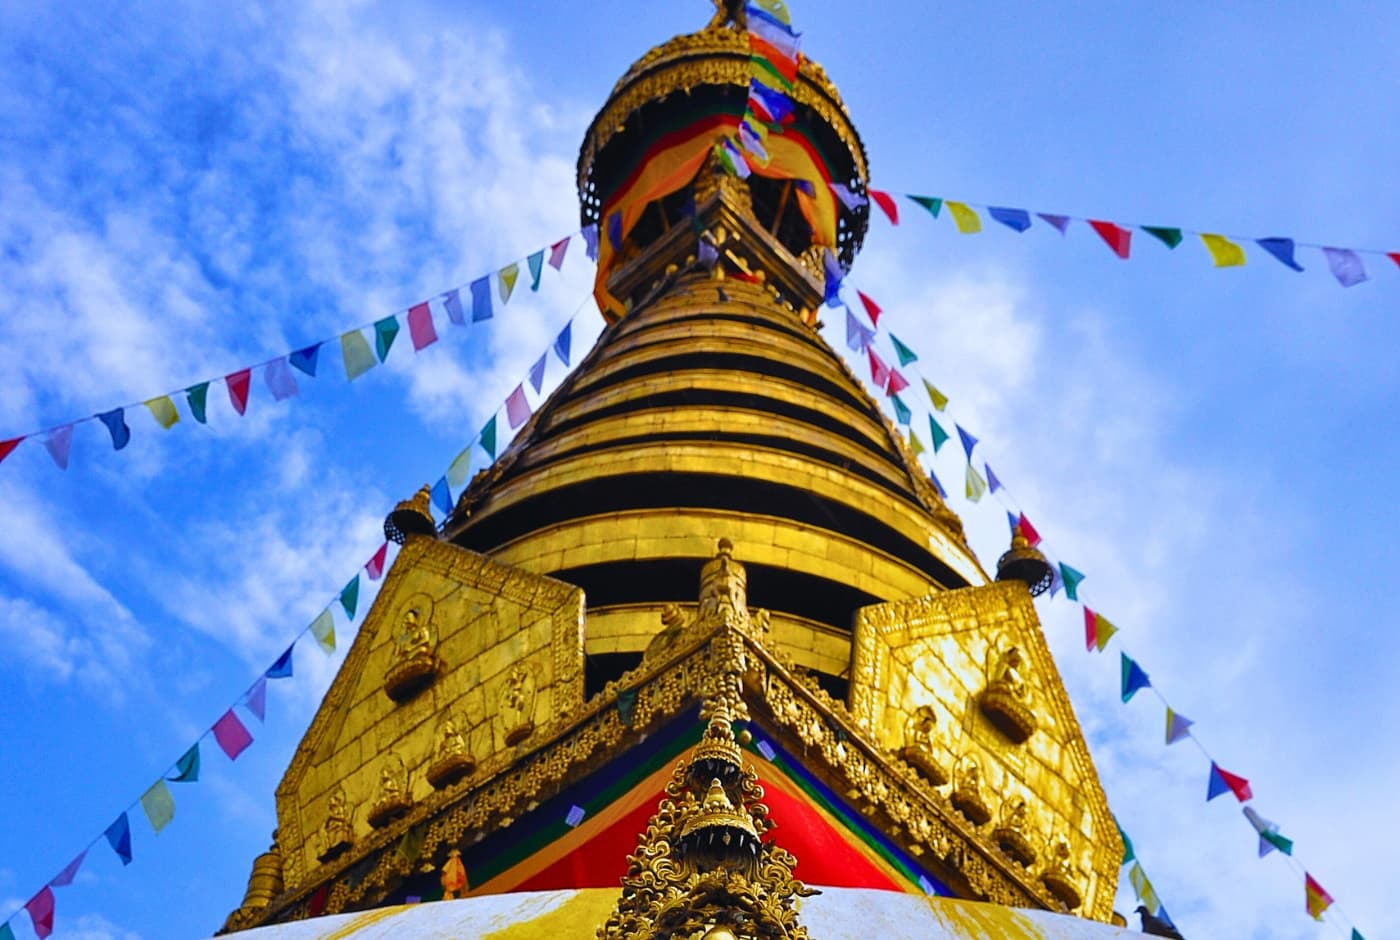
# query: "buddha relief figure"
1061,878
337,832
1007,701
414,663
518,705
918,744
1013,834
393,798
451,759
967,795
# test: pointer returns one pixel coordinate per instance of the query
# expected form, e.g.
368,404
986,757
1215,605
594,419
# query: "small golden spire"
1025,563
411,517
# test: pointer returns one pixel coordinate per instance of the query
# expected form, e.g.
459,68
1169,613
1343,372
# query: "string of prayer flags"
967,221
277,375
375,566
256,699
323,629
232,735
350,596
1269,837
119,838
420,326
975,485
1225,253
517,408
1097,630
1071,580
1222,781
187,767
1315,897
116,425
1178,726
1114,236
158,805
385,331
1133,677
162,409
356,354
940,436
304,360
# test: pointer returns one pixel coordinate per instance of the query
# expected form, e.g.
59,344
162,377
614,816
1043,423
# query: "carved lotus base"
1011,716
519,733
1016,846
406,679
388,809
1064,890
971,805
448,769
334,851
922,761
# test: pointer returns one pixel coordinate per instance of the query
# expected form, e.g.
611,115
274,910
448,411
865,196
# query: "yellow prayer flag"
158,805
976,486
357,355
968,222
507,276
163,410
1225,252
940,401
1103,631
323,629
915,445
1143,888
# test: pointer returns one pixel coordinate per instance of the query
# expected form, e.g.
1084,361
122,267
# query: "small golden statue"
454,876
967,795
518,705
451,759
337,833
415,664
394,800
1061,878
1006,701
1013,835
918,745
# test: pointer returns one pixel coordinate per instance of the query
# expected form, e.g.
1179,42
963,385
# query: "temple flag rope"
468,303
1347,265
979,479
231,732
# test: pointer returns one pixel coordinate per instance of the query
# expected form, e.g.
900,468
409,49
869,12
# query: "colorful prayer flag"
452,303
901,411
1178,726
237,383
70,871
323,629
506,278
975,486
197,396
231,734
537,373
350,596
1058,222
557,252
905,354
858,335
1316,897
40,908
481,299
517,408
460,468
256,699
119,838
116,425
931,203
1097,630
935,430
488,438
57,443
158,805
384,332
968,441
1345,266
1225,253
886,204
1269,837
187,767
1114,236
879,372
831,267
1222,781
1028,532
1282,249
441,496
561,343
916,446
420,326
1171,237
1071,580
356,354
277,375
992,482
939,400
375,566
896,384
933,478
1016,219
1128,853
7,447
872,309
1133,677
1143,888
282,666
304,360
162,409
964,217
536,265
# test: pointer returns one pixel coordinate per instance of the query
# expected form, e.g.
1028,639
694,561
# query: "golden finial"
411,517
726,12
719,820
1025,563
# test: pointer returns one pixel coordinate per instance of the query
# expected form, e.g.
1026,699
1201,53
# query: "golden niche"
918,745
393,800
1061,878
1013,835
451,759
1006,701
415,664
518,705
338,832
967,797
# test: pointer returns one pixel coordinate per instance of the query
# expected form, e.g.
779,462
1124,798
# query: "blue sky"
187,191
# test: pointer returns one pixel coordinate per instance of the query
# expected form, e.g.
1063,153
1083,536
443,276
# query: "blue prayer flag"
282,669
442,495
1018,219
119,837
481,299
968,441
116,424
452,303
561,343
304,360
1280,248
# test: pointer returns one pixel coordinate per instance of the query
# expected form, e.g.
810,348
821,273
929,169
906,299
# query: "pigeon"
1157,926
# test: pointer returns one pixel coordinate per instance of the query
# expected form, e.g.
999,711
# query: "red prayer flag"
1028,530
879,372
517,407
40,908
1316,897
231,735
375,566
1237,784
556,253
885,202
420,326
872,309
1117,238
238,389
1091,629
1394,256
6,447
896,384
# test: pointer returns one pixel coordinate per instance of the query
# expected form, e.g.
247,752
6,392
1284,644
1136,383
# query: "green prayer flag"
6,933
1171,237
187,767
159,805
1128,853
940,401
357,355
905,354
940,436
931,203
536,263
384,332
350,597
1355,935
901,411
323,629
197,395
1277,841
488,438
1071,578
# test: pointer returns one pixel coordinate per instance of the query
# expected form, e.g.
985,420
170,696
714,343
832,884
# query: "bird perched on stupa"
1157,926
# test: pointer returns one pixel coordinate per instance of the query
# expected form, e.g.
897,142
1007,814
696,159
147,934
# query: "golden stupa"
704,654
